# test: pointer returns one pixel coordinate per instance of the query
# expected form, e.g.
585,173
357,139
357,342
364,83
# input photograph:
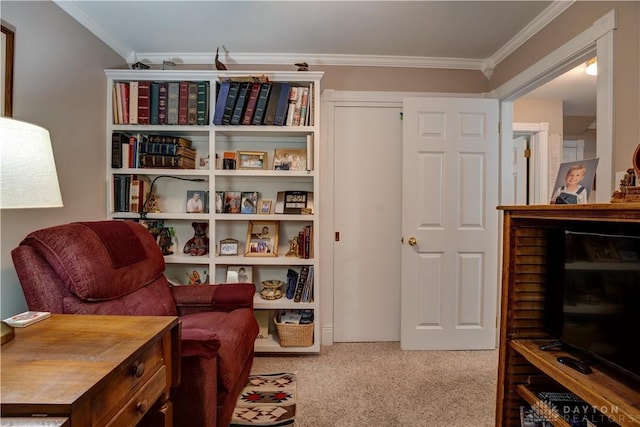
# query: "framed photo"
264,207
228,247
249,202
252,160
290,159
229,160
574,182
239,274
232,202
219,203
262,238
196,201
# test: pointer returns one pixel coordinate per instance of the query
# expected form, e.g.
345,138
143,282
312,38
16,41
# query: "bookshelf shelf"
210,142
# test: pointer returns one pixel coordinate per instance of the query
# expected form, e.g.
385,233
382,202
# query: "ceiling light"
592,67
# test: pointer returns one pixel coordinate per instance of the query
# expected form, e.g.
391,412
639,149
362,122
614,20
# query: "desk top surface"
57,360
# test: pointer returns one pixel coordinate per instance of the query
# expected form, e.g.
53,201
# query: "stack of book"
300,285
263,103
161,102
152,151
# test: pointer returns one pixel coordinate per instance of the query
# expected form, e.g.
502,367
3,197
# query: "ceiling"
473,35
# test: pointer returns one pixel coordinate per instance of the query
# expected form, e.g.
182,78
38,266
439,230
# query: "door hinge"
527,153
337,236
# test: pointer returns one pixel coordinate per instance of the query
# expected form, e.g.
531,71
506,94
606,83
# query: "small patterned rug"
266,400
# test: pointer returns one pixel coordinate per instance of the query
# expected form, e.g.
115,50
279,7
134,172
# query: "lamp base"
7,333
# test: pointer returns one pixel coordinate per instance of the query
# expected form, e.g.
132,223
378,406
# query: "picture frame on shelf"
249,204
232,202
197,276
262,239
229,160
196,201
294,202
290,159
255,160
229,247
219,202
264,207
239,274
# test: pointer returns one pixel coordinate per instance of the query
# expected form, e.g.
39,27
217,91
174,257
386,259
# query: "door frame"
539,166
597,40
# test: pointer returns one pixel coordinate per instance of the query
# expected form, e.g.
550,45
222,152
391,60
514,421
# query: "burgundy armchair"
116,267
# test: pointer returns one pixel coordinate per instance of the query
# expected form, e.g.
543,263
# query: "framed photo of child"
574,182
262,239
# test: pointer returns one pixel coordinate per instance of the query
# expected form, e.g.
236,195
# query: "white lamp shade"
28,177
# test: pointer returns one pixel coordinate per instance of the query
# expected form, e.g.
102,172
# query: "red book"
251,104
162,104
183,103
143,103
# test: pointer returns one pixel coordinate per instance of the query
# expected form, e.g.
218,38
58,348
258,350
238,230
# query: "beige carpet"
379,385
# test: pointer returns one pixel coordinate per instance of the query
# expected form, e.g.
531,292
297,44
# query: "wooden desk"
95,370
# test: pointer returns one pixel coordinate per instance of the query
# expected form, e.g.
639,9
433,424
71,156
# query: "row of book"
267,103
305,242
300,285
130,192
161,102
151,151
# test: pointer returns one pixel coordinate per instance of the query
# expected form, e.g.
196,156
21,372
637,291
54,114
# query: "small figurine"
302,66
140,66
293,248
151,205
219,64
198,245
164,241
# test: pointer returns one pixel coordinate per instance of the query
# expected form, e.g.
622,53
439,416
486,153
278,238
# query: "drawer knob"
142,407
138,369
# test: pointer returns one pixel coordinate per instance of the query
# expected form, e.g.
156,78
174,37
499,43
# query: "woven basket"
292,335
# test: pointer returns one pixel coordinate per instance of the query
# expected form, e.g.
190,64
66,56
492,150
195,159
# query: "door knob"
413,241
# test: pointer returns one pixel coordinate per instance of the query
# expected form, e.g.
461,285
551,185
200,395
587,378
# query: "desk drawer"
121,387
133,411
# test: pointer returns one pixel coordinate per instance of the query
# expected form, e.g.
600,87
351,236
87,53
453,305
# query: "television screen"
592,299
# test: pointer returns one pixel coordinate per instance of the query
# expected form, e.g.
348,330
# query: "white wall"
59,84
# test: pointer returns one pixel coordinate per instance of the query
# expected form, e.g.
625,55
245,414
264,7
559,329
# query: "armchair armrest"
194,299
199,343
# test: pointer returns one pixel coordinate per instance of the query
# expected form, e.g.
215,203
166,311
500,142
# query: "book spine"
183,103
154,100
303,106
173,99
251,104
263,98
302,279
232,97
192,104
202,117
221,101
143,102
291,108
133,102
124,94
272,104
117,139
281,107
168,139
238,110
162,103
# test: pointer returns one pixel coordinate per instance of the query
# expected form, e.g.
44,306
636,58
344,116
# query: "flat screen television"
592,293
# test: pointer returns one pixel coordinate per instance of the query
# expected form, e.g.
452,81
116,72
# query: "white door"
367,251
449,223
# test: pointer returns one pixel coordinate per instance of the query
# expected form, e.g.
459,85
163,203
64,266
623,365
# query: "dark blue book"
232,97
261,105
243,96
283,105
221,101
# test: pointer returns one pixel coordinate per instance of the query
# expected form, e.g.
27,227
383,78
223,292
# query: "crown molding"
312,59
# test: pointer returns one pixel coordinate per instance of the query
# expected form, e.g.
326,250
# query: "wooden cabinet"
211,142
522,365
94,370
